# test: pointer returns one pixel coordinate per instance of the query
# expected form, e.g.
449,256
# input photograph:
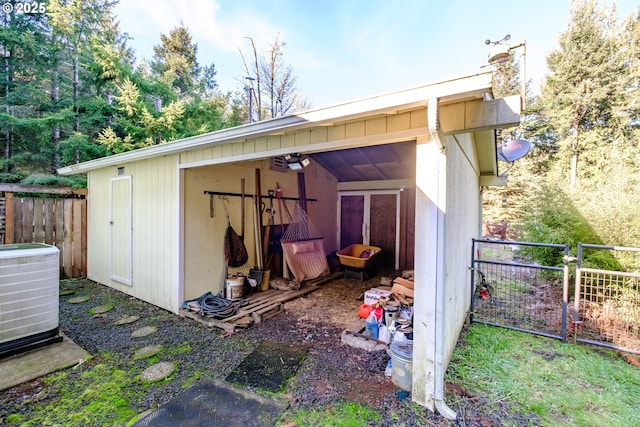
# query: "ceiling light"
296,162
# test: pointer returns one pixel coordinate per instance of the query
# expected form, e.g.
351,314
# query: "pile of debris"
386,314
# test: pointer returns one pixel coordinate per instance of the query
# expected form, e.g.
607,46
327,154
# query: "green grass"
340,414
98,396
563,384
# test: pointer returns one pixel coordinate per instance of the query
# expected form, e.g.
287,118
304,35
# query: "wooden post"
8,218
302,191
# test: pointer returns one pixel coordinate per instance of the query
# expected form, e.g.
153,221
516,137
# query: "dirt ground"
331,372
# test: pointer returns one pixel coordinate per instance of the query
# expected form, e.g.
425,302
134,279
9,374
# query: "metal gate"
509,292
606,303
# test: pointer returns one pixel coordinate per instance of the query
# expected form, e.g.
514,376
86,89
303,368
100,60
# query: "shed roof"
476,86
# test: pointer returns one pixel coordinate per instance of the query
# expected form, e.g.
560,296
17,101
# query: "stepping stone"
158,371
78,300
66,292
148,351
100,309
143,332
126,320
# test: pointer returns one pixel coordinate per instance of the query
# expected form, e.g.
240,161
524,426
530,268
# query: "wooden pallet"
261,305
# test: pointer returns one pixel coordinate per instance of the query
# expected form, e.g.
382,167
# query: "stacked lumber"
402,290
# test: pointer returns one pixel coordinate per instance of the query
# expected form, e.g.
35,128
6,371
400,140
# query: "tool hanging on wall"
267,232
257,220
302,191
242,208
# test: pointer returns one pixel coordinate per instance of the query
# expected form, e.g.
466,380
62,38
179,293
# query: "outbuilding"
407,168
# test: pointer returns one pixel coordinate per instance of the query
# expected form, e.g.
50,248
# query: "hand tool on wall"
242,208
257,221
267,232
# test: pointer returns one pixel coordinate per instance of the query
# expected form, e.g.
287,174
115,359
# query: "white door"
120,247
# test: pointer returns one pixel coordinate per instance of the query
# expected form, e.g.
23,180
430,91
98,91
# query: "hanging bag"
234,250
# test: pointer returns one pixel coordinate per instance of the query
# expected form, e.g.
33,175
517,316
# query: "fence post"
576,298
8,218
565,289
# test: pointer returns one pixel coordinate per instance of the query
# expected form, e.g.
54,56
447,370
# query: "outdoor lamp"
296,162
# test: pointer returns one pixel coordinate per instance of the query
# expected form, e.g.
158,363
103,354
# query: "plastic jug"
371,326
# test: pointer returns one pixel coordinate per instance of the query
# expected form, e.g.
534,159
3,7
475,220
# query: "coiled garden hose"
219,307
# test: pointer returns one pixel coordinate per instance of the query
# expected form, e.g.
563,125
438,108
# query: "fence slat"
67,243
17,220
55,221
38,220
49,222
83,239
9,218
76,237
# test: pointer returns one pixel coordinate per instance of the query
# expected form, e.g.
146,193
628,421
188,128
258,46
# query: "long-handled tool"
267,232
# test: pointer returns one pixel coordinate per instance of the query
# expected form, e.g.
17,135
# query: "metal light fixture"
296,162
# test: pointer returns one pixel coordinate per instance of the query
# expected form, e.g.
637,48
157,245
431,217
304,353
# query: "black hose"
219,307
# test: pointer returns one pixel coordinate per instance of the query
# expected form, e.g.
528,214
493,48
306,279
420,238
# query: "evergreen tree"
26,114
175,60
583,85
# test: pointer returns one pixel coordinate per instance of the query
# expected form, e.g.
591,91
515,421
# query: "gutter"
435,133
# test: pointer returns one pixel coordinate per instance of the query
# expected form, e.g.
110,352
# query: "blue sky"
342,50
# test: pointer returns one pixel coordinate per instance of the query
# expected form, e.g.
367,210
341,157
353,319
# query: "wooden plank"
9,218
354,337
27,220
83,239
282,297
19,188
49,237
76,237
58,229
267,312
67,239
207,321
38,220
404,282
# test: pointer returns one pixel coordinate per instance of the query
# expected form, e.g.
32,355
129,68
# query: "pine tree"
582,87
175,60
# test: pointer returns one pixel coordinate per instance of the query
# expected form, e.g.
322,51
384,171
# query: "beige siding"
462,225
155,246
204,264
307,139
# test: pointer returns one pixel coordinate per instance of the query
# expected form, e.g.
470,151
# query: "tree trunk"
55,134
7,132
76,109
574,156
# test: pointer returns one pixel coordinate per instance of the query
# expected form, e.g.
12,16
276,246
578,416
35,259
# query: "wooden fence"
54,216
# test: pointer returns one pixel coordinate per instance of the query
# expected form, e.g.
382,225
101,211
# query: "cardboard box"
374,295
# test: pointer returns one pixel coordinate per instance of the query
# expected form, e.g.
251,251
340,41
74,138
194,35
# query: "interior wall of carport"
204,262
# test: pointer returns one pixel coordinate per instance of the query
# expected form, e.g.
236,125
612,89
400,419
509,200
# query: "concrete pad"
215,403
33,364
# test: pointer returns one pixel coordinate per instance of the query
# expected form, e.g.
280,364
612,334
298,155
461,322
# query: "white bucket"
235,287
402,364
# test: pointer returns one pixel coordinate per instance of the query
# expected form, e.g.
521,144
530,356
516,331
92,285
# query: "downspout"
434,130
